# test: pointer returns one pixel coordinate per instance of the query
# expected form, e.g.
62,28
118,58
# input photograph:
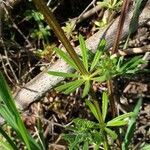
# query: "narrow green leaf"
104,105
111,133
8,116
7,99
65,86
101,45
96,59
117,123
135,18
92,108
98,54
135,63
119,63
6,96
86,88
12,146
131,64
69,86
120,118
100,79
23,132
10,113
5,146
124,116
131,126
84,51
74,86
66,58
63,74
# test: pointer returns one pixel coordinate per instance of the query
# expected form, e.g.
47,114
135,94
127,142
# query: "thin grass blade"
5,146
135,19
5,95
8,116
11,144
9,108
131,126
131,65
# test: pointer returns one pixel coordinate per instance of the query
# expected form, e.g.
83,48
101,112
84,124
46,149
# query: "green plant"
101,23
85,132
135,18
111,7
100,67
40,32
10,114
82,134
68,28
111,4
91,68
131,126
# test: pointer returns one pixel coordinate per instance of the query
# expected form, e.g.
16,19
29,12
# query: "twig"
132,51
17,28
30,70
85,14
1,5
13,72
88,14
5,70
146,57
8,62
92,3
115,50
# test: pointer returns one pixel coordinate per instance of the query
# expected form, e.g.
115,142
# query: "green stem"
52,22
102,125
101,121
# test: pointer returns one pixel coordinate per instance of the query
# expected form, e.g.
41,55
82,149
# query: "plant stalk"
112,96
52,22
101,121
124,10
